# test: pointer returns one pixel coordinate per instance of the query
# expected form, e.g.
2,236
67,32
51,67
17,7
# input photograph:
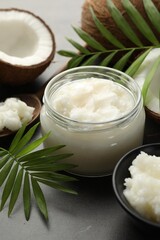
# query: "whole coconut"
101,10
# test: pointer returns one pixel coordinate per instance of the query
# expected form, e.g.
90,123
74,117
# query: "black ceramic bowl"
121,172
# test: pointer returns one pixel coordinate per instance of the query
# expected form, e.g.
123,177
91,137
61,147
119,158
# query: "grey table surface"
94,214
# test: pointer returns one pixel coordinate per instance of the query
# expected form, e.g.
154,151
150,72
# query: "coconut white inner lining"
24,39
152,100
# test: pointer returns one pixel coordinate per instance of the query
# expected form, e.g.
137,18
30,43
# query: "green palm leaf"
41,166
106,33
4,160
139,22
51,167
92,60
46,160
22,142
122,23
120,64
40,199
54,176
56,186
32,146
27,196
5,171
89,40
106,61
17,138
15,191
127,61
66,53
8,186
40,153
151,11
76,61
137,63
78,46
2,152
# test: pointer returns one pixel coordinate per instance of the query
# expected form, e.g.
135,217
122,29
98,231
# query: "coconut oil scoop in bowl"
32,101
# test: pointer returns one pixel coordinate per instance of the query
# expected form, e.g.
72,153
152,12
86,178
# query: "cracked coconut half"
27,46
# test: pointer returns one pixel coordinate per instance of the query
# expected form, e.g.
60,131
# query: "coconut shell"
103,14
153,115
16,75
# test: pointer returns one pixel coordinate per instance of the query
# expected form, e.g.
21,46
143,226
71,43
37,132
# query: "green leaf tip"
24,167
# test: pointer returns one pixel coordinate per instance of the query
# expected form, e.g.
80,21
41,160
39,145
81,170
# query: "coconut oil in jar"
97,112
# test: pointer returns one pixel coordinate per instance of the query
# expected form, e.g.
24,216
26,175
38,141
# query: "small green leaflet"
149,78
151,11
122,23
139,22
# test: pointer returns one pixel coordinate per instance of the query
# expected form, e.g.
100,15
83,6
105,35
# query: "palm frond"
106,33
24,167
139,22
76,61
17,139
122,23
66,53
46,160
5,170
27,196
89,40
39,197
15,190
39,153
55,185
54,176
32,146
8,185
122,62
92,60
106,61
120,57
78,46
21,142
137,63
4,160
151,11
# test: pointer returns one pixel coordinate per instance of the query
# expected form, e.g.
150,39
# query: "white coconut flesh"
152,101
24,39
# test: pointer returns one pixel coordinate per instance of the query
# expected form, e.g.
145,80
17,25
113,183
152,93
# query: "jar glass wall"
96,146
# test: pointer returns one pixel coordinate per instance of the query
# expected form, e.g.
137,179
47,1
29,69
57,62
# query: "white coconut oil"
142,187
13,113
97,113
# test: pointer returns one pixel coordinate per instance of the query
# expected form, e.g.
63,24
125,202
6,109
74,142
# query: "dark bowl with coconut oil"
120,173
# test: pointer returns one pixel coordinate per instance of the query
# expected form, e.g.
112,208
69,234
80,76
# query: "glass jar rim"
83,69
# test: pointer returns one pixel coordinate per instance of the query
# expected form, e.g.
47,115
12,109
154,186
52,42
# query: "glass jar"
96,147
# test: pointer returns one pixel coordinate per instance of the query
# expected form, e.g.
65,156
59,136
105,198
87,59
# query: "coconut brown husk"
103,14
17,75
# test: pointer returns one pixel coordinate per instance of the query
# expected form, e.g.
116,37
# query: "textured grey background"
92,215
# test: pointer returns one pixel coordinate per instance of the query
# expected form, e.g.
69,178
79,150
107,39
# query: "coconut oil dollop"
13,113
92,100
142,188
